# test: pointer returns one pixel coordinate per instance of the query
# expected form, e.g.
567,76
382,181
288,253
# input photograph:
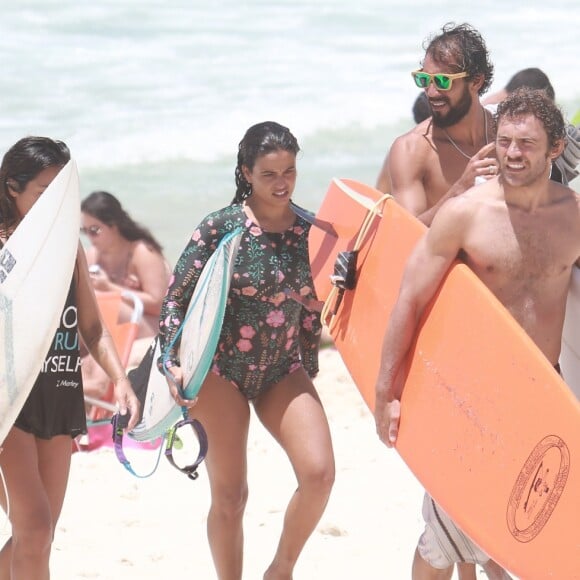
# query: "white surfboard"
36,267
570,354
198,335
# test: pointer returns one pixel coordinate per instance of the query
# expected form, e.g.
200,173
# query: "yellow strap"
375,210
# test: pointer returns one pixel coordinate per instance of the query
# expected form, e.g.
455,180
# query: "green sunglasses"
442,81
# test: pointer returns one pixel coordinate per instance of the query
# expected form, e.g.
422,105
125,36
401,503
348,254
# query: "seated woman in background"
123,255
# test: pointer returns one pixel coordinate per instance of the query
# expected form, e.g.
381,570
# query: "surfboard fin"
344,276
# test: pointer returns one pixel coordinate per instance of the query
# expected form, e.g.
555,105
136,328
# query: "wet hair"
105,207
534,78
421,108
525,101
260,140
20,165
462,46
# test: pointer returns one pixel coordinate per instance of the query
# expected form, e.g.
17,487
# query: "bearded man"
444,156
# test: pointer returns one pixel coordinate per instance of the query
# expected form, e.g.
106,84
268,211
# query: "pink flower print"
256,231
307,323
196,235
247,331
275,318
244,345
198,264
249,291
169,320
299,230
280,276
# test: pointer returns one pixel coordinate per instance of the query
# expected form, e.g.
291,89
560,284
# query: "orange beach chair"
124,335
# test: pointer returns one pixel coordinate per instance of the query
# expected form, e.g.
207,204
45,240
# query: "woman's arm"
152,275
100,343
186,273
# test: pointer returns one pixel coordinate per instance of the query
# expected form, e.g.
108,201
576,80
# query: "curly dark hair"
461,46
260,139
525,101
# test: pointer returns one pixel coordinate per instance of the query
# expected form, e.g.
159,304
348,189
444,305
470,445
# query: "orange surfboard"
488,427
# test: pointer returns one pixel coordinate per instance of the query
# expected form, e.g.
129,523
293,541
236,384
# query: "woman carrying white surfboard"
35,458
267,352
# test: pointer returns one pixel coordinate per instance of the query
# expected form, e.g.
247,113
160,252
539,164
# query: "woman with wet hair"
267,353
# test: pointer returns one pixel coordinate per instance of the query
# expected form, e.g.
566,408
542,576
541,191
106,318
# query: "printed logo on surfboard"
538,488
7,262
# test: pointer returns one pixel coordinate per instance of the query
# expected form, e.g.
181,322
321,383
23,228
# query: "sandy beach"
116,526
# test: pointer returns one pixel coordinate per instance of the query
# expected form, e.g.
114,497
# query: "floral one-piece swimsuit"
268,331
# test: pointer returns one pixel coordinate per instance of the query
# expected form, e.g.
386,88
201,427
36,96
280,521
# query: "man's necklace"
457,146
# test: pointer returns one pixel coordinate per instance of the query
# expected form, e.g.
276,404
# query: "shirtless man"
441,157
444,155
520,233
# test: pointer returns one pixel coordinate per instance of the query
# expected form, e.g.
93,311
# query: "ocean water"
153,97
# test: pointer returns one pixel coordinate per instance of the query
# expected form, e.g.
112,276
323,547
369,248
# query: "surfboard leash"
171,437
117,435
344,276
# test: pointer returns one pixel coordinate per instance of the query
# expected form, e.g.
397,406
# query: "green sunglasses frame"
438,78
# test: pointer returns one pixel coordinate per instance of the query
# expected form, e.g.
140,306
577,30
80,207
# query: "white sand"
115,526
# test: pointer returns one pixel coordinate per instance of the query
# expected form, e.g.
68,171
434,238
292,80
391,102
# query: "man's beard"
455,114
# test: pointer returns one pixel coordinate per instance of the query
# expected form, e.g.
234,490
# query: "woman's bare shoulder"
143,249
144,255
